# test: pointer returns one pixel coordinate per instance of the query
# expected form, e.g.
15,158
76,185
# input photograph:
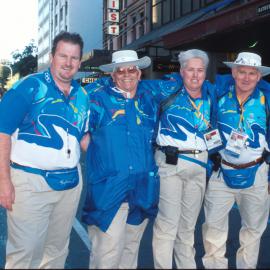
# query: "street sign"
113,29
113,17
113,4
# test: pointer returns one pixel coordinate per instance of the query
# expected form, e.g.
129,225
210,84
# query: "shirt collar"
49,79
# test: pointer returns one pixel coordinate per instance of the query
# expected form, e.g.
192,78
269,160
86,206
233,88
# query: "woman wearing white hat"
242,177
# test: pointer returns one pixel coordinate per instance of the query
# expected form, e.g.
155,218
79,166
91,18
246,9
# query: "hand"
7,194
85,141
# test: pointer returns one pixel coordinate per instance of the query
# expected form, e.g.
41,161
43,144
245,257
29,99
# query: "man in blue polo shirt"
42,120
243,103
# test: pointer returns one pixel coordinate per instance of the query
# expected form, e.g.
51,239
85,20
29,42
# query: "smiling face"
193,74
127,78
246,79
65,63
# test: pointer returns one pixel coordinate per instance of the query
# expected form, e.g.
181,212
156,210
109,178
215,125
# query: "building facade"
162,28
82,16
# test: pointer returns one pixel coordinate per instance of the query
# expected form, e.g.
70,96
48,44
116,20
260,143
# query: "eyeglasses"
123,70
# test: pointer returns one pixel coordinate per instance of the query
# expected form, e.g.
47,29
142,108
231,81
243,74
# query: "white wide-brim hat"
250,60
126,58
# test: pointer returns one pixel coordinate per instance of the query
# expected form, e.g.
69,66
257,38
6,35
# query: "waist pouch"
240,178
57,179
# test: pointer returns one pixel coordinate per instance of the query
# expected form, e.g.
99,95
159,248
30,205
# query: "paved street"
80,246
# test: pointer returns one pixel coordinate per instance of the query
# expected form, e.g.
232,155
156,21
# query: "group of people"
151,145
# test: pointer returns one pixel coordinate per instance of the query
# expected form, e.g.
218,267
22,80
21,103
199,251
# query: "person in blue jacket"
122,178
243,119
186,136
42,120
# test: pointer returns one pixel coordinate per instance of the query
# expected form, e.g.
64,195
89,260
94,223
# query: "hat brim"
141,63
262,69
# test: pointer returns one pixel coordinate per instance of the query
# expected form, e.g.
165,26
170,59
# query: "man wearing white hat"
242,176
122,179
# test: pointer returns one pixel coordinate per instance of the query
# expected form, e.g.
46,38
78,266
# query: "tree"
4,75
25,62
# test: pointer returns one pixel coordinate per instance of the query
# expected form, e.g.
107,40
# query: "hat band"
124,59
248,62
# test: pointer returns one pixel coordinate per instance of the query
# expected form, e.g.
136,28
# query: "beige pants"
182,188
252,203
40,223
118,247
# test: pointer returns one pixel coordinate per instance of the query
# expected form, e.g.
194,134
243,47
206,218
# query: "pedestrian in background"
243,103
122,180
42,120
186,133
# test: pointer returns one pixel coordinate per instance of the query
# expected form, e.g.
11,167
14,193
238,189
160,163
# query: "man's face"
193,75
65,62
127,78
246,79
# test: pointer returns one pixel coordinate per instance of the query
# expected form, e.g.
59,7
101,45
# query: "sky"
18,25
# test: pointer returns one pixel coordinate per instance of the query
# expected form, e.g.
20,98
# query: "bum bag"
57,179
240,178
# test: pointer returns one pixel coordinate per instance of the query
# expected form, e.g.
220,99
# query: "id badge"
212,139
236,143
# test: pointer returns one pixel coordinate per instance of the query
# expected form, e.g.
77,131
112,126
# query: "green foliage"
4,75
25,62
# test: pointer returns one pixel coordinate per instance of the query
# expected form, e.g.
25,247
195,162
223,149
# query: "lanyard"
197,108
241,120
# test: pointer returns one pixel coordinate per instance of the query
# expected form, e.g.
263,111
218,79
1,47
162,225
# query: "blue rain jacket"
120,157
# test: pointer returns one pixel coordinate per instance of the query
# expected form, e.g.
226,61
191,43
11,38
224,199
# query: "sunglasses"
123,70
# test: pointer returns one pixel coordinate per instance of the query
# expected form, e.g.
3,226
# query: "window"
55,20
186,6
123,4
156,14
141,25
124,39
66,8
61,14
166,11
177,9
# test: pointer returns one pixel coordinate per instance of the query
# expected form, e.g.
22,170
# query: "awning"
158,34
224,21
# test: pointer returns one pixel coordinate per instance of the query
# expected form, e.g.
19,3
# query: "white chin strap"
118,90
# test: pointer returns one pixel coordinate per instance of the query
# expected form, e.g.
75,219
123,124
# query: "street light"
8,66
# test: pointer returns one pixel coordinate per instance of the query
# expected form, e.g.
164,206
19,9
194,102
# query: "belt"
163,149
27,169
36,170
243,166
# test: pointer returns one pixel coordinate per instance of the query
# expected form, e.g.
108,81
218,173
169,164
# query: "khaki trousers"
182,188
254,211
118,247
40,223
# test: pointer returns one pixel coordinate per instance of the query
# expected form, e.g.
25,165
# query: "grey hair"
184,56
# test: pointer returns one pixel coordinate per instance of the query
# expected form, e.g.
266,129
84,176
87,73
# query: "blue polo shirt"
183,123
251,119
43,122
